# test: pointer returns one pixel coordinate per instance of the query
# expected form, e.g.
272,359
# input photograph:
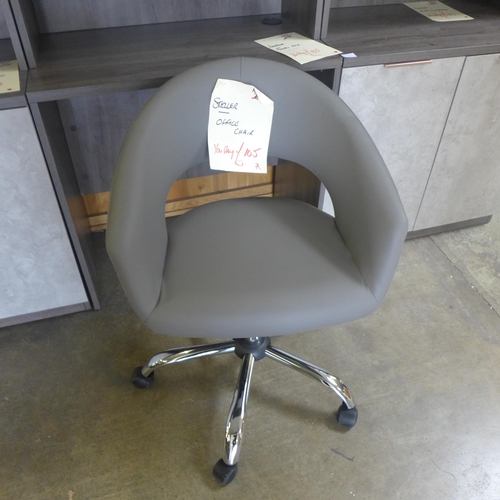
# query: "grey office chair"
249,269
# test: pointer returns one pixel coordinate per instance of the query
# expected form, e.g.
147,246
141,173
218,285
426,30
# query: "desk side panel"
38,271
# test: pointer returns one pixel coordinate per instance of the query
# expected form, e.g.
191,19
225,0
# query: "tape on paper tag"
239,127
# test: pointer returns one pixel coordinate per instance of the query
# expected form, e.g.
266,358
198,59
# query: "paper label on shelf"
298,47
9,77
438,11
239,127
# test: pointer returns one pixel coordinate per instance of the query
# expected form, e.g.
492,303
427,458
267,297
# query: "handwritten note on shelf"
239,127
9,77
298,47
438,11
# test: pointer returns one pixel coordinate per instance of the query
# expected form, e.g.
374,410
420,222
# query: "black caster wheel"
224,473
347,417
140,381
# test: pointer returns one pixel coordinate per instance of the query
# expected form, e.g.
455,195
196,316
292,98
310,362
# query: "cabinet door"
39,276
465,180
404,108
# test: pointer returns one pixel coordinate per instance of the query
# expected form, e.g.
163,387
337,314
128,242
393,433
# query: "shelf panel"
395,33
140,57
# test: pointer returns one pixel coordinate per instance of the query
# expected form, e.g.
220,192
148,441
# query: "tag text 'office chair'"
245,270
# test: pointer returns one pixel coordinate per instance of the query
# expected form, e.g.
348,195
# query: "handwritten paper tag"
298,47
239,127
9,77
438,11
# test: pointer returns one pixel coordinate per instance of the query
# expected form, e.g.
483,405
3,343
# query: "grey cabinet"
465,180
39,276
437,127
404,108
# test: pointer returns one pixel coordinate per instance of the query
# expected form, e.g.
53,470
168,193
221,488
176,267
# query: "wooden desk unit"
89,67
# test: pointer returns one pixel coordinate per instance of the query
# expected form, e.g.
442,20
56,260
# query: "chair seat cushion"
257,267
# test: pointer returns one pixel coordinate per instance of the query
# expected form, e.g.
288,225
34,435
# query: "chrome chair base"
249,350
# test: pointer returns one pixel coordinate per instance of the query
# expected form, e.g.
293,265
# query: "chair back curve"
311,126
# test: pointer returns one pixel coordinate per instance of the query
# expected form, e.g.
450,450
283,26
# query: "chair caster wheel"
140,381
224,473
347,417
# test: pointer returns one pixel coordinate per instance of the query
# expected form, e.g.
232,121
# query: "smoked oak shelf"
92,62
384,34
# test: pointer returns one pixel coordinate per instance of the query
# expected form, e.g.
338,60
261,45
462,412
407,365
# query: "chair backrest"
311,126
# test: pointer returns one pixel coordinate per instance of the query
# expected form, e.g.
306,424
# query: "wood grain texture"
292,180
190,193
182,190
63,15
307,14
394,33
142,57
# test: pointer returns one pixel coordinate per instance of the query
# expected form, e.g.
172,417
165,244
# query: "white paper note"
239,127
438,11
298,47
9,77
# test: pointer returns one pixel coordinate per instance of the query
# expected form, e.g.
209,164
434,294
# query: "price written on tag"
437,11
9,77
298,47
239,127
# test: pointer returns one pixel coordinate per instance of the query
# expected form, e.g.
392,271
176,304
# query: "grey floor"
425,370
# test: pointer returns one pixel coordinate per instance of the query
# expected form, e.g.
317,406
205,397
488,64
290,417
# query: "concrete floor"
425,370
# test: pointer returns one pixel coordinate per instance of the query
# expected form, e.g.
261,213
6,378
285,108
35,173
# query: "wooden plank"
394,33
141,57
181,190
295,181
307,14
176,207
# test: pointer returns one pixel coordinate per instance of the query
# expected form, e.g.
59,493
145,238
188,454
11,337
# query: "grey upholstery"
261,266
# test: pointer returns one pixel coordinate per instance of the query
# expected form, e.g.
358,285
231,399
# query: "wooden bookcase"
389,32
92,65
